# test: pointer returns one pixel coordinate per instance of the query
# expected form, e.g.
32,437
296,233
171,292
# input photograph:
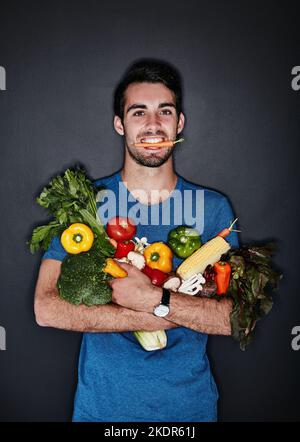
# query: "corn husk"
150,341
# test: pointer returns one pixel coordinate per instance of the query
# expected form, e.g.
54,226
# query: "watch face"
161,310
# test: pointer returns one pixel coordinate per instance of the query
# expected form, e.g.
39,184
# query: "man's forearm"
52,311
201,314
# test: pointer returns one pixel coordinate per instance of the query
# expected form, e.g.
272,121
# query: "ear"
181,122
118,125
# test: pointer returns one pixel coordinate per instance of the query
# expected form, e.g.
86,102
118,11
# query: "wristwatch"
163,308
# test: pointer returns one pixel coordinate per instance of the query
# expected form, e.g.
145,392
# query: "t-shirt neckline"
133,199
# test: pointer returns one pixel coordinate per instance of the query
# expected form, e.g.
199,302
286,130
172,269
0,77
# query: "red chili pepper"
157,276
123,248
222,276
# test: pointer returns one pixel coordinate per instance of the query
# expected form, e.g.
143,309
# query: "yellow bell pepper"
113,269
159,256
77,238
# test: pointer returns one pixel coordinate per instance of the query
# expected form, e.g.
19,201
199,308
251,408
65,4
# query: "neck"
145,183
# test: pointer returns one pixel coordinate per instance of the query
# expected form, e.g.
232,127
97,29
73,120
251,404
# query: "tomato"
121,228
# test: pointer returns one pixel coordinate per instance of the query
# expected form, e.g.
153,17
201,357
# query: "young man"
118,380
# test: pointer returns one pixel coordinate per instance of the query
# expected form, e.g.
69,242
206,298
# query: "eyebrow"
167,105
143,106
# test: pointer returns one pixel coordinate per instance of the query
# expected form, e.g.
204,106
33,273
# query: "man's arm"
201,314
52,311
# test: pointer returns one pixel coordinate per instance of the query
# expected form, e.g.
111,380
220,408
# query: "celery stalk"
150,341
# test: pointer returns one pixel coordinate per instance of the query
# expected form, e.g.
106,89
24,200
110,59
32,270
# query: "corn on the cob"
208,254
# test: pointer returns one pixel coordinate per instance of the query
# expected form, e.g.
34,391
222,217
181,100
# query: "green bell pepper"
184,240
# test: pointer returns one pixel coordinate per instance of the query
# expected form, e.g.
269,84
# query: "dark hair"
150,71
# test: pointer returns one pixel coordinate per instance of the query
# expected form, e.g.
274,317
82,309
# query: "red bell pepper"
123,248
157,276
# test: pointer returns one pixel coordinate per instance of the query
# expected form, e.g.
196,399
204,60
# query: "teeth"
152,140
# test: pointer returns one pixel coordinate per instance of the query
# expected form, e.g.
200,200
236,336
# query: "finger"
128,267
111,282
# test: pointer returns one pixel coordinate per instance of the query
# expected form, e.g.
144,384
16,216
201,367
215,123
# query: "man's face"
149,116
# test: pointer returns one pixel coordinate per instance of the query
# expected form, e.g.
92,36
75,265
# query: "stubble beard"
149,160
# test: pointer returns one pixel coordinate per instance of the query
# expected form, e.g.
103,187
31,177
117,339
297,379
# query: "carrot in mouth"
168,143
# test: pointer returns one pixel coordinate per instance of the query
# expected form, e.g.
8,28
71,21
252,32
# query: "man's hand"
135,291
204,315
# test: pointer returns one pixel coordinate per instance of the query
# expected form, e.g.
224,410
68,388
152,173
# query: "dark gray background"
63,59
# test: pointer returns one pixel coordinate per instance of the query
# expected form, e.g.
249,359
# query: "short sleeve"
55,250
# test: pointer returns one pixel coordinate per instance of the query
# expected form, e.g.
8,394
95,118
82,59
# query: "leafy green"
252,280
42,235
70,198
82,280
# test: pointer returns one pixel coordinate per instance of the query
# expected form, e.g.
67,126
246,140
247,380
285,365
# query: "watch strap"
165,300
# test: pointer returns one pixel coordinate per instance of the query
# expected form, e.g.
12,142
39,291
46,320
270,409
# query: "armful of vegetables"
244,274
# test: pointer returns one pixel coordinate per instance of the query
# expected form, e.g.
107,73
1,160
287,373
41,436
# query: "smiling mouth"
152,140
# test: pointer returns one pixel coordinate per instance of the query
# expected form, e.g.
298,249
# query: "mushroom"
137,260
172,283
193,285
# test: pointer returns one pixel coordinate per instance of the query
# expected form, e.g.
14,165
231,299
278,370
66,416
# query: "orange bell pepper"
113,269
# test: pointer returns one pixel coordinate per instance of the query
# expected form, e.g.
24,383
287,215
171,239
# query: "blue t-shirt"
117,379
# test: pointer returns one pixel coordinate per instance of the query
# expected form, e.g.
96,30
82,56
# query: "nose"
153,122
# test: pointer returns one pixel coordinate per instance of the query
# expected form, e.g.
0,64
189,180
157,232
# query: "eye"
166,112
139,113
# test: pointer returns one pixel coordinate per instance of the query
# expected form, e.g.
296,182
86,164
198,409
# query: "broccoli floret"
82,280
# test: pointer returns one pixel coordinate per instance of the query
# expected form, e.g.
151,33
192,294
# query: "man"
118,380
